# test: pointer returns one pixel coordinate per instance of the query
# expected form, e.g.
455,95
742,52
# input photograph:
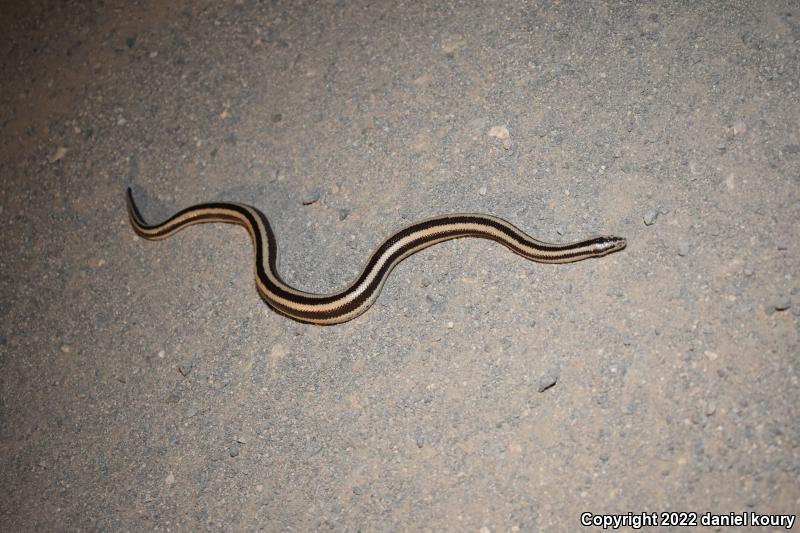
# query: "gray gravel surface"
144,386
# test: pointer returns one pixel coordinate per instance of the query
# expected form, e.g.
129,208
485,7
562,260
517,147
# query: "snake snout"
609,243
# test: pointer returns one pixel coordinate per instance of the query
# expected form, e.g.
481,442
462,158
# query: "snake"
361,293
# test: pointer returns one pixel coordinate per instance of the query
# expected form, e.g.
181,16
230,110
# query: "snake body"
357,297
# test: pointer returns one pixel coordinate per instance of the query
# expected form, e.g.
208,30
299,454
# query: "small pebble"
234,451
161,354
748,270
791,149
58,154
650,217
782,303
170,480
482,190
711,408
343,214
277,117
499,132
548,379
311,198
683,248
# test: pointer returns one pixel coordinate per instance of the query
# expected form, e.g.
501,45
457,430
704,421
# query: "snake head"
608,244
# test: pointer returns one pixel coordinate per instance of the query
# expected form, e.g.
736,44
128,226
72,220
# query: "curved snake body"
357,297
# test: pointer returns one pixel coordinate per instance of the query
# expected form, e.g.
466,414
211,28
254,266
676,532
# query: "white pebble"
499,132
58,154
